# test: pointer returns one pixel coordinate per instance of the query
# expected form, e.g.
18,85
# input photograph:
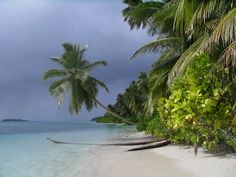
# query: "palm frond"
138,15
82,75
52,73
186,58
163,19
228,57
204,10
132,2
68,47
57,84
167,59
158,79
211,25
100,83
183,15
225,31
158,88
56,59
92,66
82,53
59,89
157,45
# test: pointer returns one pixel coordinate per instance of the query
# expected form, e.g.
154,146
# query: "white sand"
119,163
203,165
169,161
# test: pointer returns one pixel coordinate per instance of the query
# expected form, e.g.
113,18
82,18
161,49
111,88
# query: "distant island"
14,120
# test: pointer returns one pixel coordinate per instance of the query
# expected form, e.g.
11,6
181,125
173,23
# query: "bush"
196,112
157,128
142,123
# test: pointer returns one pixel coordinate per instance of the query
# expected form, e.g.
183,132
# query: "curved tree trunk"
132,143
112,113
151,146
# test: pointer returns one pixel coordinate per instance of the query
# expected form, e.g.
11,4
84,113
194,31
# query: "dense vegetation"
191,88
130,104
189,94
196,112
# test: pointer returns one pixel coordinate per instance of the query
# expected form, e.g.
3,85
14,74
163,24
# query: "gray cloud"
32,31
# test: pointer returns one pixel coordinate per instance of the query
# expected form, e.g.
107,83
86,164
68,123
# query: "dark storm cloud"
32,31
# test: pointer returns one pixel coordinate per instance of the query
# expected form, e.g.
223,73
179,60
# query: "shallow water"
25,152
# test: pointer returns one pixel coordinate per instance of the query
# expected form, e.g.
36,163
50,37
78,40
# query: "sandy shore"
202,165
169,161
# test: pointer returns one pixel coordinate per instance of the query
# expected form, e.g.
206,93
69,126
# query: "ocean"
25,151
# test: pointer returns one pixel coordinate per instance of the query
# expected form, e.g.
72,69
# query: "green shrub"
157,128
142,123
196,112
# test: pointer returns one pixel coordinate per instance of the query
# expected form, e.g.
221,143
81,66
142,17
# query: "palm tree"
75,80
201,26
184,29
159,21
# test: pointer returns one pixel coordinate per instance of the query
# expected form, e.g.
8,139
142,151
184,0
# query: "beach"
19,159
168,161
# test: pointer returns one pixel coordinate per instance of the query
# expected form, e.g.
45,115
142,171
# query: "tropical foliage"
184,28
130,104
191,87
189,95
198,110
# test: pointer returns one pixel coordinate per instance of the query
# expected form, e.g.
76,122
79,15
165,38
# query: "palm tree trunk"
112,113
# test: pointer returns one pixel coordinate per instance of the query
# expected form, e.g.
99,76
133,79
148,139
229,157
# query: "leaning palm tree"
75,80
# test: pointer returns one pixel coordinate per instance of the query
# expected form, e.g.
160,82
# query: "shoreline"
167,161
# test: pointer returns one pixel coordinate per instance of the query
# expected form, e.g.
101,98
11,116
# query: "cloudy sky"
31,31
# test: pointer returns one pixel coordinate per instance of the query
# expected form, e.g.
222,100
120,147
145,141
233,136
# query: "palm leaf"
82,53
225,31
228,57
68,47
211,25
52,73
92,66
57,84
187,57
167,59
203,12
162,21
100,83
158,88
183,15
82,75
59,89
158,79
56,59
157,45
138,15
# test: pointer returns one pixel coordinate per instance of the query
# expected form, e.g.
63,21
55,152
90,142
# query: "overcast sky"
31,31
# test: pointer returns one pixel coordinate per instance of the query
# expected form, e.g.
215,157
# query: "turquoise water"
25,151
